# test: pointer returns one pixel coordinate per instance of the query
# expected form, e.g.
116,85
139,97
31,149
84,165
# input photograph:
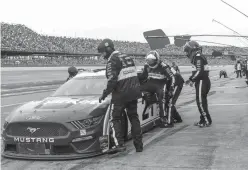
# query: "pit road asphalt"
224,145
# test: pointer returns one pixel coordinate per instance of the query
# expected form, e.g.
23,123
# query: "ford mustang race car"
69,124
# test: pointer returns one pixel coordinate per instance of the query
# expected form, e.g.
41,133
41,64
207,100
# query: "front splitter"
50,157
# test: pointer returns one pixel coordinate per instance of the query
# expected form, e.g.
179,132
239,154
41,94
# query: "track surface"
224,145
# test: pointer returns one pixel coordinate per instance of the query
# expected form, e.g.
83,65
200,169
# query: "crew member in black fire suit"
124,85
200,76
223,73
179,81
246,68
157,74
175,67
72,72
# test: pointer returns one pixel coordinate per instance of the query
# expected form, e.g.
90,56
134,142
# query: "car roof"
100,74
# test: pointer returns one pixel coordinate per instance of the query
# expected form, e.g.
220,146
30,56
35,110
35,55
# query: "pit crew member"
238,67
175,67
223,73
124,85
200,76
72,72
179,81
156,72
246,70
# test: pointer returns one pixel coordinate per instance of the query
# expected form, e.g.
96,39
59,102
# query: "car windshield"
81,87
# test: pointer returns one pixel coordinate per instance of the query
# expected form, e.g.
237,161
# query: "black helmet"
106,47
72,71
153,59
191,48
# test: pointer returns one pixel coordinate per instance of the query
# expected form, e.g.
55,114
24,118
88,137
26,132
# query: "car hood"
60,109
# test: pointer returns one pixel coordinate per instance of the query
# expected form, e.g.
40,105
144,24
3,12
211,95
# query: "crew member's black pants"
176,93
117,109
239,73
202,88
160,89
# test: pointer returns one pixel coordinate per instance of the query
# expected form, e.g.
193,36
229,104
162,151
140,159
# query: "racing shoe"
119,148
198,123
139,149
204,124
167,125
163,121
178,121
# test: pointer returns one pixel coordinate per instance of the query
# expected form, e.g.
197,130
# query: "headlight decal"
5,125
86,123
77,124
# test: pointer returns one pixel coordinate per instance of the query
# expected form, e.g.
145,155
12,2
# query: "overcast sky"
128,19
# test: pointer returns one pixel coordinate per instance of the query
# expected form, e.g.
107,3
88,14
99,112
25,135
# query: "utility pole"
235,8
229,28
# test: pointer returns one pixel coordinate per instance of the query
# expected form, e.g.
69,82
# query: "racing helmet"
106,47
72,71
152,59
191,48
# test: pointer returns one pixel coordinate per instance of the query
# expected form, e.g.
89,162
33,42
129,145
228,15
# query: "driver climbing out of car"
124,85
157,74
72,72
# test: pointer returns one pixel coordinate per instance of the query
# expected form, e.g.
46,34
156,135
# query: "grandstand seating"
20,37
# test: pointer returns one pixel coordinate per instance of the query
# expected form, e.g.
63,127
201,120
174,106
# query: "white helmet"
152,59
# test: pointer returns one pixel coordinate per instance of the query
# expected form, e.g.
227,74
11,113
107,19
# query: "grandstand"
17,37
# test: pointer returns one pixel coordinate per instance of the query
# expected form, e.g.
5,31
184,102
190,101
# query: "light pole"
229,28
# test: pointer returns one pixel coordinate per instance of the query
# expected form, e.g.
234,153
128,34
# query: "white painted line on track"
223,104
23,93
13,104
33,87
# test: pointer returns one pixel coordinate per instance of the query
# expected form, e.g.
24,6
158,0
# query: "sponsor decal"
198,62
32,130
128,71
82,132
34,118
33,140
104,143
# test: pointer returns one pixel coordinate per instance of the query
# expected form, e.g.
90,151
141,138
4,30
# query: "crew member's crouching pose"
201,78
223,73
124,85
156,72
179,81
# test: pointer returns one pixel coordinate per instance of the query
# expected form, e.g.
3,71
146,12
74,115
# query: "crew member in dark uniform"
124,85
179,81
200,76
72,72
157,74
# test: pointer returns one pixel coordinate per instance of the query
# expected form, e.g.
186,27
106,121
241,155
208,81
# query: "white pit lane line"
151,139
223,104
9,105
